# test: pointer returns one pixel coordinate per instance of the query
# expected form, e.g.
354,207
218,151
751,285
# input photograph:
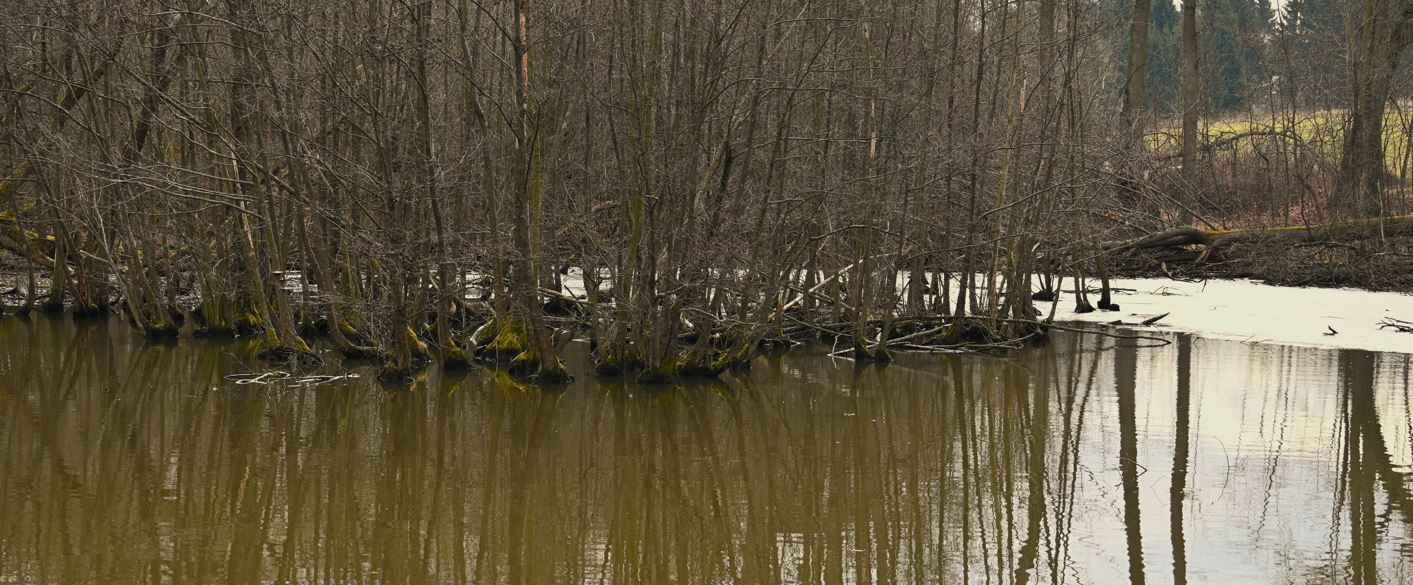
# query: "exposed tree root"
455,359
696,351
529,365
509,342
613,360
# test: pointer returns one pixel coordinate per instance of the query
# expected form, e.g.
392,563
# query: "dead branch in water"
1397,325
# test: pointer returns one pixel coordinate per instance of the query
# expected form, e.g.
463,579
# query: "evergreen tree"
1311,45
1234,39
1164,58
1164,50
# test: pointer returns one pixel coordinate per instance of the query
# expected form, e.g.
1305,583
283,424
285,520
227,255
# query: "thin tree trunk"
1190,88
1135,74
527,189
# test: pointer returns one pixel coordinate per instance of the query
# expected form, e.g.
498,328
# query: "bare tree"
1379,32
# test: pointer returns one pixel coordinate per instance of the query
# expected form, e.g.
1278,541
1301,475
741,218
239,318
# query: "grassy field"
1321,133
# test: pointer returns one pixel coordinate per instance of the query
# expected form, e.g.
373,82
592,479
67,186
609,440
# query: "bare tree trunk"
544,359
1377,38
1135,74
1190,88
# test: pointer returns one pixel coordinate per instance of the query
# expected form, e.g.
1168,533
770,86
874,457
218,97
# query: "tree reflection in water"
1085,461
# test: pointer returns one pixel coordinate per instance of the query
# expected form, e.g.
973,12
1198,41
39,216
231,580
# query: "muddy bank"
1243,294
1376,264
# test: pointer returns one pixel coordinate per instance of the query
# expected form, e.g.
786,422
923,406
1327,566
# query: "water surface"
1089,460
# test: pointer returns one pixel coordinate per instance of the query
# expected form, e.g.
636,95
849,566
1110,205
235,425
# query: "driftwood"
271,377
1155,319
1397,325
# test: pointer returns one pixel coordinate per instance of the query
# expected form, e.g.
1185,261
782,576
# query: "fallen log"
1374,227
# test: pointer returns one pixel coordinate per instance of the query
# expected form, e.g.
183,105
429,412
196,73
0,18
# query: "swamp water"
1087,460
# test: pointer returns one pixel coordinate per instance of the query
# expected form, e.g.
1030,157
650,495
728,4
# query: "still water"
1089,460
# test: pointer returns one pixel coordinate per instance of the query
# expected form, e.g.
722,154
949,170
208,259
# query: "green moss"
346,327
665,372
301,345
161,330
696,366
420,351
738,360
552,374
248,323
508,344
511,338
349,327
455,358
510,385
525,363
967,331
611,362
290,355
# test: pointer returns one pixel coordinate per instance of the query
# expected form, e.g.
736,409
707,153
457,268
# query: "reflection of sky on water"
1266,439
807,470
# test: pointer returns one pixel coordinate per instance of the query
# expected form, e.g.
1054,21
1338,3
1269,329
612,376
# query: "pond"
1087,460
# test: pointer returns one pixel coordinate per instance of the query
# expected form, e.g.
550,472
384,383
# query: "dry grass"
1319,132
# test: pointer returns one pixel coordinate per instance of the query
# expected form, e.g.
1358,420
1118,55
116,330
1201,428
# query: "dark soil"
1378,265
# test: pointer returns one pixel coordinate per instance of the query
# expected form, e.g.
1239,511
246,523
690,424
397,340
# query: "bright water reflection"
1086,461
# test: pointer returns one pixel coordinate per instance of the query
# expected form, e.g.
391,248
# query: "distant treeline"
1247,53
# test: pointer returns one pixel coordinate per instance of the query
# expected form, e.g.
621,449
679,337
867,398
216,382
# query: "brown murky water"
1086,461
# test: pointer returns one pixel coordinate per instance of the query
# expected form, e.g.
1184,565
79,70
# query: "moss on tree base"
529,366
552,374
967,330
509,343
162,331
660,375
360,354
615,363
421,354
214,332
699,372
90,311
739,361
455,359
287,355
